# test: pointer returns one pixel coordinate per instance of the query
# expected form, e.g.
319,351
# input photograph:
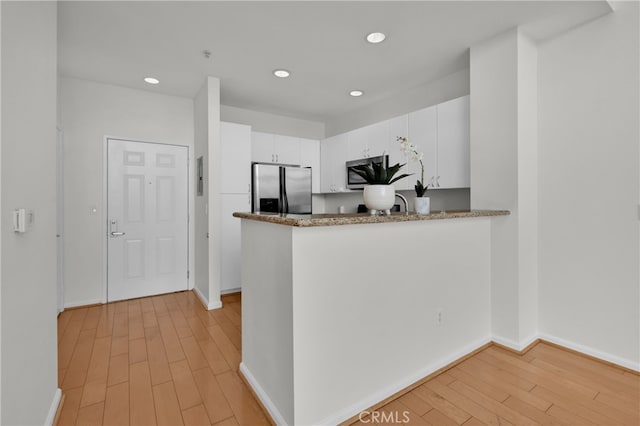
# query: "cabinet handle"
277,159
273,158
438,181
249,188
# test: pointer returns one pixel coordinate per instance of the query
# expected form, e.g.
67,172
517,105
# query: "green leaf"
399,177
378,174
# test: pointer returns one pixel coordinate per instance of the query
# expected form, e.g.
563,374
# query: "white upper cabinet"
333,156
423,132
399,126
262,147
270,148
286,150
453,144
310,157
235,151
369,141
441,132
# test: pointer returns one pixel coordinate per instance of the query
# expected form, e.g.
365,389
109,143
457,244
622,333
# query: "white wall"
91,111
201,149
494,168
589,186
449,87
504,167
272,123
1,230
214,191
28,175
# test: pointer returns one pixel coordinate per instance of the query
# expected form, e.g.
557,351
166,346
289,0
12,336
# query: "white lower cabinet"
231,240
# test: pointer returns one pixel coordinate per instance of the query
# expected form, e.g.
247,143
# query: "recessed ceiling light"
376,38
151,80
356,93
281,73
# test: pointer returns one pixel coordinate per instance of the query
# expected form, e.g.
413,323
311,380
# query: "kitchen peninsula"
342,311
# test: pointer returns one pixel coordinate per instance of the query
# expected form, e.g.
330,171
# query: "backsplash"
441,199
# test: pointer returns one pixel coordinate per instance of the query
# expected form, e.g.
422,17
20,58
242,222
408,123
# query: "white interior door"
147,230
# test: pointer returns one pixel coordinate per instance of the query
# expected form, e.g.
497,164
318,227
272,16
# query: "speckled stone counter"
362,218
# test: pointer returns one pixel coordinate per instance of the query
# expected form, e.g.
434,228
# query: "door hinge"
187,274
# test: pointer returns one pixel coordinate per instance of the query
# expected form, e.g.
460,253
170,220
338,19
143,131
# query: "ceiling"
322,43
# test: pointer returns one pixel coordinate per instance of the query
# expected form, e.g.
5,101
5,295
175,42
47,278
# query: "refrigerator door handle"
283,190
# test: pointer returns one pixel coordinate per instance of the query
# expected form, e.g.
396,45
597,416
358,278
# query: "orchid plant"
411,151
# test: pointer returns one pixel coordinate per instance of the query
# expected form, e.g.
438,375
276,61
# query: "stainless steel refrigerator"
280,188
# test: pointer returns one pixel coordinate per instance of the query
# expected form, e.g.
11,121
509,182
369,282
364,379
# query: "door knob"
117,234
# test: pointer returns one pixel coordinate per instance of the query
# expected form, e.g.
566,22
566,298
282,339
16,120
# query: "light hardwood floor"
159,360
547,386
166,360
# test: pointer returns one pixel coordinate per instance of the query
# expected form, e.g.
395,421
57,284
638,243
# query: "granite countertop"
305,220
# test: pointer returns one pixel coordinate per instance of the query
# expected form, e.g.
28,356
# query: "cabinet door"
377,139
357,144
333,154
453,143
235,151
423,132
398,126
326,165
338,160
262,147
310,157
286,150
231,253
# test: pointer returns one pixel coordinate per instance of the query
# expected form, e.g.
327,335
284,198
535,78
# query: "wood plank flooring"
166,360
545,386
159,360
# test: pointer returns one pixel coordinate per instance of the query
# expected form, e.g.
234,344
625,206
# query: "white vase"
379,198
422,204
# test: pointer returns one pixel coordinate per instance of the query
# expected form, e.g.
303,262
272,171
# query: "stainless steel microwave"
354,180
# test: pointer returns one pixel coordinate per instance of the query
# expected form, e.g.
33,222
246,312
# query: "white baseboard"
209,305
83,303
632,365
264,398
383,394
231,290
515,345
51,415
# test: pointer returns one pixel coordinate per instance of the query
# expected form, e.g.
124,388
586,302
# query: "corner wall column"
504,174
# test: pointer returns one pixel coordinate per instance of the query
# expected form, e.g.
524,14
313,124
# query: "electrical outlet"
439,317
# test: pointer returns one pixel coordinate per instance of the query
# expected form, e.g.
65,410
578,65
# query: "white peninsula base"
338,318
